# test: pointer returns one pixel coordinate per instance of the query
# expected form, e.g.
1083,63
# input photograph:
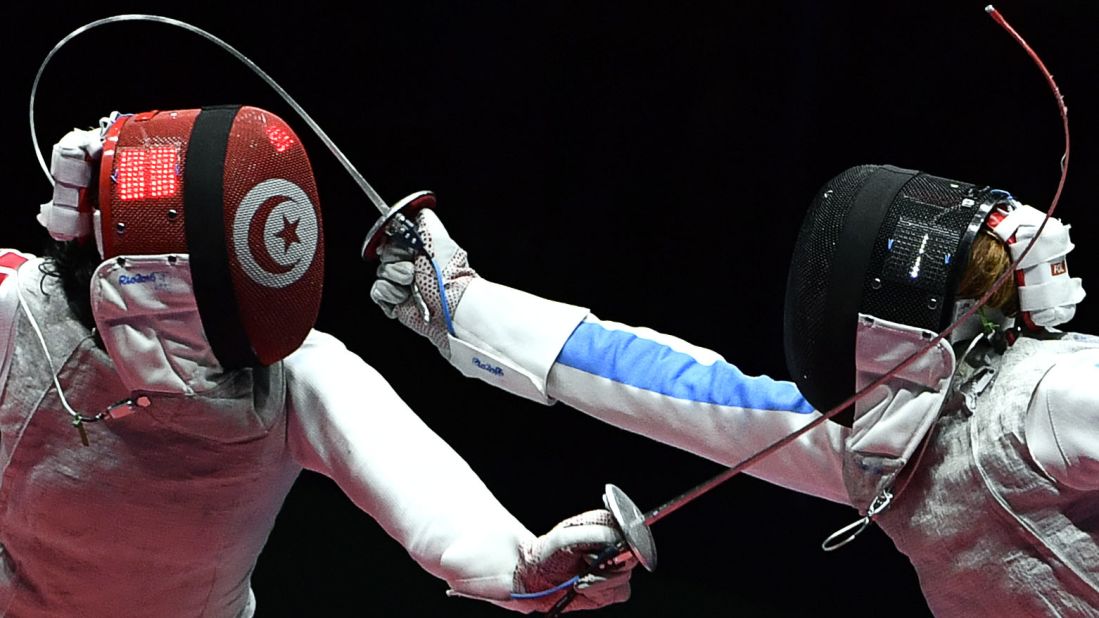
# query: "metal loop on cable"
846,534
84,418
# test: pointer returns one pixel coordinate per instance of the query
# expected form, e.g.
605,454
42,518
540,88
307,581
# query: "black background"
648,160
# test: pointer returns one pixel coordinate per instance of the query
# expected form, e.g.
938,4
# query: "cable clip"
127,407
114,411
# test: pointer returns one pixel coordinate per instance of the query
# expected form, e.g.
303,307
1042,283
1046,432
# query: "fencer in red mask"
164,387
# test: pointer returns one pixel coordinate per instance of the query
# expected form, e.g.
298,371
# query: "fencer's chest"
187,489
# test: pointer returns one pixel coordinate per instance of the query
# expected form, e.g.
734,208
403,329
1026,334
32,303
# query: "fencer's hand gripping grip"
637,539
604,559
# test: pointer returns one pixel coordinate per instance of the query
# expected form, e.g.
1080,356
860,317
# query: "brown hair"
988,259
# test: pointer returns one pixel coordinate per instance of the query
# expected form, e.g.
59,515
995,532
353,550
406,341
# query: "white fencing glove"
408,286
503,336
566,551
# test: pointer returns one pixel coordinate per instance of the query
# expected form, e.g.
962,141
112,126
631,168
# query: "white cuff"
510,338
490,588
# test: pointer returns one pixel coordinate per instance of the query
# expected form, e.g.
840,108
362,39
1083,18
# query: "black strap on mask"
207,243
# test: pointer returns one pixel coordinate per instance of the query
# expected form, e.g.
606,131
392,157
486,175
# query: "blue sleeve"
691,398
651,365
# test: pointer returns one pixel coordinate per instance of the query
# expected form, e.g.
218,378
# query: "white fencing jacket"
167,509
1021,507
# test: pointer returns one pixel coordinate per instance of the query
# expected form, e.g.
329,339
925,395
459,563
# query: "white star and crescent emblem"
275,232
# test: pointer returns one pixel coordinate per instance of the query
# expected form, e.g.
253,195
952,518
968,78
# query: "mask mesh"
141,223
806,334
919,253
276,314
908,276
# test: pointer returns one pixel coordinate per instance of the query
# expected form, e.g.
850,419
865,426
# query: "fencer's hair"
73,263
988,259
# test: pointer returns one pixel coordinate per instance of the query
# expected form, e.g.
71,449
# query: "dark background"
649,160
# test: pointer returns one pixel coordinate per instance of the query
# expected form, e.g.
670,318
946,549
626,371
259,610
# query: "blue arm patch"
625,358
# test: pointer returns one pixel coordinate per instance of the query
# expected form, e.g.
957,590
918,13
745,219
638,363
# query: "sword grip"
403,232
602,559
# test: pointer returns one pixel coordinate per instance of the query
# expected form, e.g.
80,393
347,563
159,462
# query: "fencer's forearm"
348,423
561,353
689,397
510,338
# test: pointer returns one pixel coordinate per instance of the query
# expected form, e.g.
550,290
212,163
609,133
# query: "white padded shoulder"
10,261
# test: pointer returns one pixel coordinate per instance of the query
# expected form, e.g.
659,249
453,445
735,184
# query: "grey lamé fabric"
167,510
987,531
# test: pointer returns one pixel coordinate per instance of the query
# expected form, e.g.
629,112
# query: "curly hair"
72,264
988,259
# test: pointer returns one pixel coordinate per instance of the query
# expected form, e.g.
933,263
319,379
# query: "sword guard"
637,540
397,224
631,521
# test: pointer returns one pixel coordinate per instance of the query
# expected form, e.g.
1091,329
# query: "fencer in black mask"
970,457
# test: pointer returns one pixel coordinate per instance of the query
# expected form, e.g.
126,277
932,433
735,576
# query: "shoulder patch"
10,261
